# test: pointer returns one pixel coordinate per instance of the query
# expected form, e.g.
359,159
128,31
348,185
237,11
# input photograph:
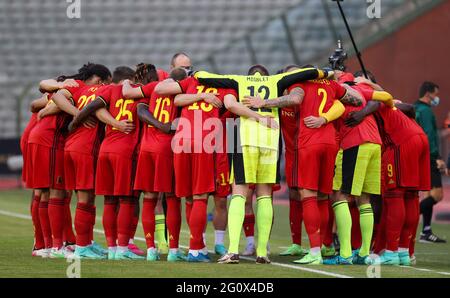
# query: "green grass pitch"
16,261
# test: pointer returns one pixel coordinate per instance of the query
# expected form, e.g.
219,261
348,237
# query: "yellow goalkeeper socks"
344,227
264,216
366,223
236,214
160,229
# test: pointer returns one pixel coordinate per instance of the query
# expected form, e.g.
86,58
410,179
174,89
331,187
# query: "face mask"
435,101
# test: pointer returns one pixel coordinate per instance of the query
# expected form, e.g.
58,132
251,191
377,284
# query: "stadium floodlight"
358,53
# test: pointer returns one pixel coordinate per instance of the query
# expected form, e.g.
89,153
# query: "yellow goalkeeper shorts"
337,179
361,170
255,165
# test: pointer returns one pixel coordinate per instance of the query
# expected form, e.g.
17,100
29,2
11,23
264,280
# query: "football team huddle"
349,150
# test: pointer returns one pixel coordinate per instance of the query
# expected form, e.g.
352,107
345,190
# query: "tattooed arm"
352,97
295,97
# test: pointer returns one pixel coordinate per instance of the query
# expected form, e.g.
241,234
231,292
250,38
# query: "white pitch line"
23,216
419,269
273,263
302,268
13,214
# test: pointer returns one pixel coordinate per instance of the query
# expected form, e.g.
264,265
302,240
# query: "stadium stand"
222,35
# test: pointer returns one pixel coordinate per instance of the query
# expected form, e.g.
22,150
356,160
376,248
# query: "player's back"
121,109
208,114
164,110
51,130
253,133
395,125
30,125
85,140
289,126
366,131
318,99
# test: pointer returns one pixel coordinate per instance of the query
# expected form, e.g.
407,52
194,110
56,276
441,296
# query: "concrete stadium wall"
415,53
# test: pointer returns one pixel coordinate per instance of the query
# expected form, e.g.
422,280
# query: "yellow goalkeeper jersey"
253,133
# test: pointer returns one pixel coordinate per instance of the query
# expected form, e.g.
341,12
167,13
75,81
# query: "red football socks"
135,219
380,238
69,235
326,233
311,218
56,216
197,223
45,224
148,221
110,220
395,219
173,220
91,231
124,219
356,228
412,216
295,220
249,225
38,235
83,224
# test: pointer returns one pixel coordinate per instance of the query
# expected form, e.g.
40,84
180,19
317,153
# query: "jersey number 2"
322,93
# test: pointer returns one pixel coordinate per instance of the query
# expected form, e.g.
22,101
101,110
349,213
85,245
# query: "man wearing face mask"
427,120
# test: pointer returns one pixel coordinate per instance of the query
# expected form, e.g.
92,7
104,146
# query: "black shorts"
436,176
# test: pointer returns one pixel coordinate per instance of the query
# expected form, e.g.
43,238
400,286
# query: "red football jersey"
319,97
365,132
164,110
31,123
120,108
50,131
162,74
26,132
289,127
395,127
200,116
84,140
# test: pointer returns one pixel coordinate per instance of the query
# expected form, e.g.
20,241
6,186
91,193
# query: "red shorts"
315,168
23,148
194,174
223,187
79,169
45,167
407,165
290,168
114,175
154,172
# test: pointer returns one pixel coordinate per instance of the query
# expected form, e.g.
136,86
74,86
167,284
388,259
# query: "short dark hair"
172,61
88,71
258,68
308,66
145,73
178,74
122,73
371,76
427,87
